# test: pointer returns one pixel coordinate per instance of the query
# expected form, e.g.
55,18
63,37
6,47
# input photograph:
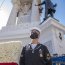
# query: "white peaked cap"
36,28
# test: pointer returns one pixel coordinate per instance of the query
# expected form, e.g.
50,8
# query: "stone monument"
25,15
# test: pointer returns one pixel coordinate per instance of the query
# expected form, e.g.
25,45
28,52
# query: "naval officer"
35,53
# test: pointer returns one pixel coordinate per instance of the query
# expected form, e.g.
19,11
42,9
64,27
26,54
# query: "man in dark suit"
35,53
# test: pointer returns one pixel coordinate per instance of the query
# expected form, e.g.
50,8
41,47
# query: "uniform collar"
37,46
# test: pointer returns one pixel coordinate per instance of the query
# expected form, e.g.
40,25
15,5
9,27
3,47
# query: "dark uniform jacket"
39,56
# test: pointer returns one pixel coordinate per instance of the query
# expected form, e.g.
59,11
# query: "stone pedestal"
17,33
52,36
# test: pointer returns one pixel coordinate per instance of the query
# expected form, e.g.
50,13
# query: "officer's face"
34,34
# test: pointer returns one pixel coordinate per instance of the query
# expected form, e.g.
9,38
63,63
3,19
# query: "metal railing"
58,60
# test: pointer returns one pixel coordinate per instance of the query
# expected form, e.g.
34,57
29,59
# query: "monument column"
13,15
35,16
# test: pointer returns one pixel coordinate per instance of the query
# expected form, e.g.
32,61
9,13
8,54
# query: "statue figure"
24,8
24,12
49,8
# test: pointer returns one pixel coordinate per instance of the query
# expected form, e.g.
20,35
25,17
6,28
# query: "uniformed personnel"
35,53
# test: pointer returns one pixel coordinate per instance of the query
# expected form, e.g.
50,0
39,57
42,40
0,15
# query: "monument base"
52,35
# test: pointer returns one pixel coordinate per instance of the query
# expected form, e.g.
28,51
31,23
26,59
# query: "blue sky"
60,10
7,6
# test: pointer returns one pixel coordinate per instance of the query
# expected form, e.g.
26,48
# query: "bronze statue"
49,8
